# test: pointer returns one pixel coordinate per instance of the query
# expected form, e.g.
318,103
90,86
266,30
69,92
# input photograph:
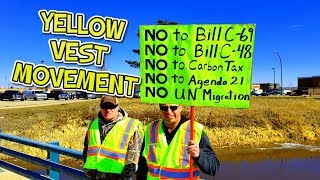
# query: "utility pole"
274,78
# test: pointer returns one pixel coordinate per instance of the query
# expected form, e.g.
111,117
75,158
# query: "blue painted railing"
52,163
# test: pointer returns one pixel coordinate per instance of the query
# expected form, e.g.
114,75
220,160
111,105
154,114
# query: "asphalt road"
32,103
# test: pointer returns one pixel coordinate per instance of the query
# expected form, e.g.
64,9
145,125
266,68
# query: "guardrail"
52,163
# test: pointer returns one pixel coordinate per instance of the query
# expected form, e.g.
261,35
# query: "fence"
52,164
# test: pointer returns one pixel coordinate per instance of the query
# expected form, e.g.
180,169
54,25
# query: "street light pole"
280,70
274,78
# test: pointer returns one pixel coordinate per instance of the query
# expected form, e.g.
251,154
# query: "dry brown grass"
268,120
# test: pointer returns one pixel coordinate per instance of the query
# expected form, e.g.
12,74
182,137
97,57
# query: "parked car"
92,96
256,93
34,94
136,93
271,92
85,95
12,95
72,95
299,92
275,92
58,94
81,94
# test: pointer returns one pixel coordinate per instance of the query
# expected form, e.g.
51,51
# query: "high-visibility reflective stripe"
152,155
171,172
112,155
185,156
179,169
154,131
176,175
125,136
93,151
153,139
153,171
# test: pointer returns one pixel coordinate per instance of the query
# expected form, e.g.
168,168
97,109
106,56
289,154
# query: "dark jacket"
207,160
132,152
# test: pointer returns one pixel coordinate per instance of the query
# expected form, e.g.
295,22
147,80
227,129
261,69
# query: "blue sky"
289,27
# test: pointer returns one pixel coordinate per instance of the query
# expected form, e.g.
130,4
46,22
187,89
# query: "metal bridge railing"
54,150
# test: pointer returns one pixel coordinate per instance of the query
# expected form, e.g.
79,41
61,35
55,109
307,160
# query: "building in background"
269,86
310,85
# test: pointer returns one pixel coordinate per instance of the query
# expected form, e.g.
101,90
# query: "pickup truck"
58,94
12,95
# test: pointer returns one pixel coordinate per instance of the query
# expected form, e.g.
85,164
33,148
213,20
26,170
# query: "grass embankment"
268,120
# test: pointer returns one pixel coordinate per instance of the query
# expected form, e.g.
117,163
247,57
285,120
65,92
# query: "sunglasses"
108,106
165,108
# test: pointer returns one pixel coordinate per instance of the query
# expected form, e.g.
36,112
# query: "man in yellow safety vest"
167,146
112,143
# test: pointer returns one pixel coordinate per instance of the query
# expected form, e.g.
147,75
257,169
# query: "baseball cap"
109,99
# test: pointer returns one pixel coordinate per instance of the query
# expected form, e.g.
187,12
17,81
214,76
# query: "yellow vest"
169,161
110,155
